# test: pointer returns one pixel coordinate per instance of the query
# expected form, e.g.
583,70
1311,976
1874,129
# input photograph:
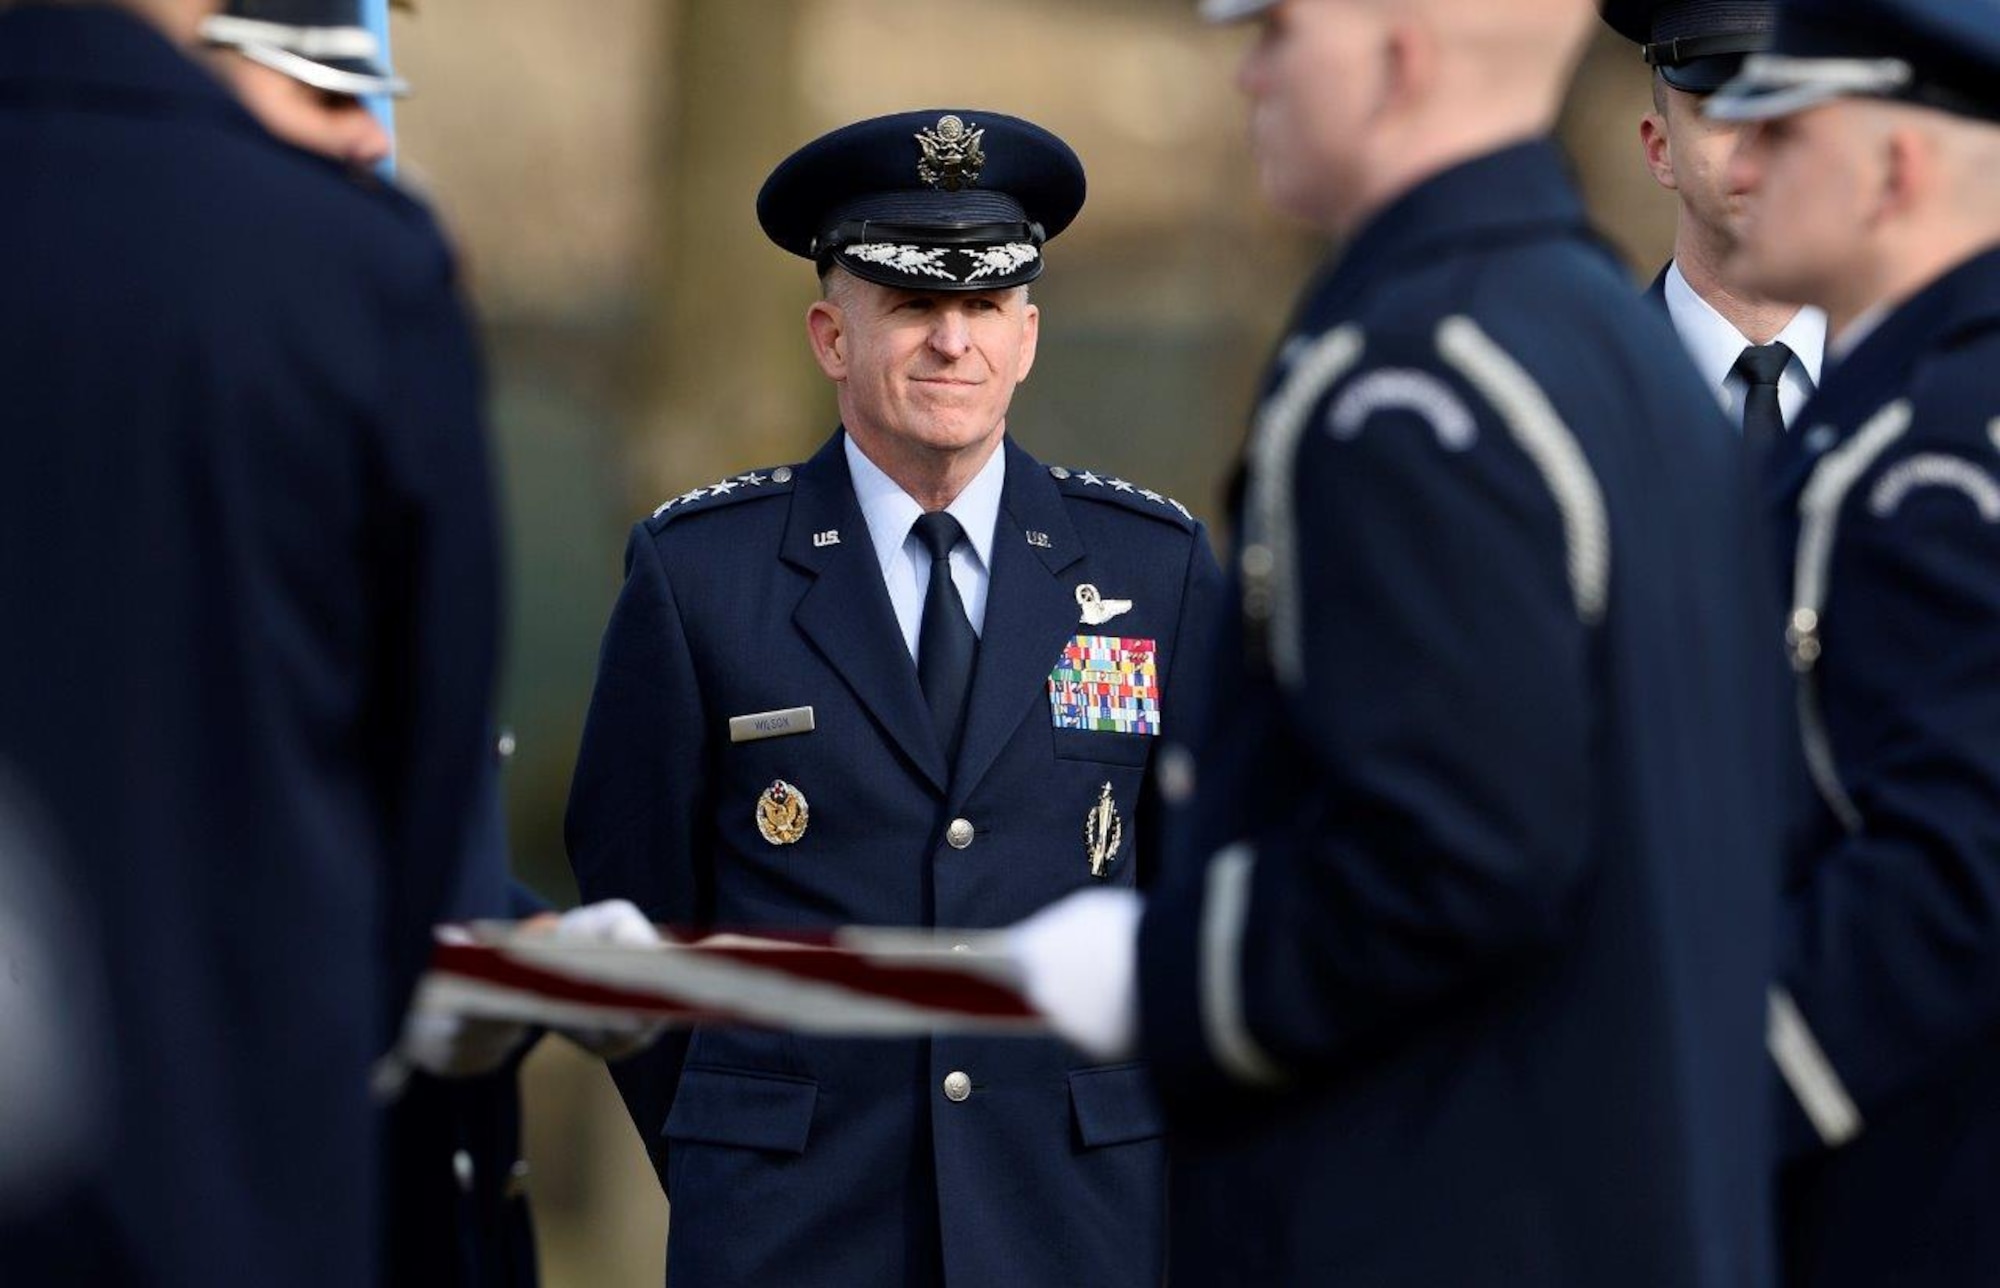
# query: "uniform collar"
889,510
1519,191
58,50
1963,301
1714,343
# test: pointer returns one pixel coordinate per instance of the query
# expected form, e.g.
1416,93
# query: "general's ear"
826,328
1031,328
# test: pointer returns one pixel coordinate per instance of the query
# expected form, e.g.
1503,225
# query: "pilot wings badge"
952,154
1098,610
1103,831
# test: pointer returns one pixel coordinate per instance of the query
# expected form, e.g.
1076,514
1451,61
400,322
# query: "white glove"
445,1044
614,921
449,1045
1077,959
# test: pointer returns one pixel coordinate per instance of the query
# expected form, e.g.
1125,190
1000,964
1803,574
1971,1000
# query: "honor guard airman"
1873,190
1761,356
916,680
1456,973
247,548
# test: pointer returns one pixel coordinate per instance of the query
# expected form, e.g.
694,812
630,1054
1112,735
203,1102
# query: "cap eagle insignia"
951,154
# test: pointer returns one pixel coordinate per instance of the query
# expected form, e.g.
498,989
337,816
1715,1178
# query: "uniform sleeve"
635,828
1428,832
437,556
1890,941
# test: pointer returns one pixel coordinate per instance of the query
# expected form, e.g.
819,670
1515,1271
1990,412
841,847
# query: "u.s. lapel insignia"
1098,610
1103,831
782,813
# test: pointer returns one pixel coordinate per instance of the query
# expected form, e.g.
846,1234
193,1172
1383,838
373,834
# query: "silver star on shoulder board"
1120,485
724,488
1091,479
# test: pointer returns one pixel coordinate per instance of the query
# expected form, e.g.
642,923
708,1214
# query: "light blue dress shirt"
1715,345
906,565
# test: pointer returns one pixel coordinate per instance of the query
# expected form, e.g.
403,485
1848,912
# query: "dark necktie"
1763,414
946,645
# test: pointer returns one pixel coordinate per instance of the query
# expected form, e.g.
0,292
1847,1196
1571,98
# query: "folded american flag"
855,982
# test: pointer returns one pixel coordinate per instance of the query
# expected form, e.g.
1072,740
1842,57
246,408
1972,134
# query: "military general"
916,680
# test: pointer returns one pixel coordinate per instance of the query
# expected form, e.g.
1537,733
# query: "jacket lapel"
845,613
1031,613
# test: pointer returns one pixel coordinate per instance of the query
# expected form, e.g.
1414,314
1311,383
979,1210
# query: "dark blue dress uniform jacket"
1473,992
1890,936
247,559
807,1161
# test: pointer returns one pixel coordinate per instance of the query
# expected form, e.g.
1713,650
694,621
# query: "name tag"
771,724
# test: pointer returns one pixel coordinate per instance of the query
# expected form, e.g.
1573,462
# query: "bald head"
1355,101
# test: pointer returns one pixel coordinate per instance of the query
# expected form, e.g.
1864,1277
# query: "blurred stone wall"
598,165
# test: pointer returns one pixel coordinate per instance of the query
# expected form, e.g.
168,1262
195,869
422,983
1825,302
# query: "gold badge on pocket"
782,813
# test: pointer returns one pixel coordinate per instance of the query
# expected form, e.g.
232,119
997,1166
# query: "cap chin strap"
318,75
1672,53
311,42
1774,85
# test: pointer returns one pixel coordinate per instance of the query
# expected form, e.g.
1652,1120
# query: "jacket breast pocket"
762,1111
1105,748
1115,1105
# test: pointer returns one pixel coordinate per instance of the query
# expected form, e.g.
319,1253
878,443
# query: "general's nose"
950,334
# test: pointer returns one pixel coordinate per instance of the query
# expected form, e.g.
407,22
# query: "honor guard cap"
948,199
1943,54
1696,45
324,43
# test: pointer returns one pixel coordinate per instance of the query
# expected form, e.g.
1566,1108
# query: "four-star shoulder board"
737,487
1106,487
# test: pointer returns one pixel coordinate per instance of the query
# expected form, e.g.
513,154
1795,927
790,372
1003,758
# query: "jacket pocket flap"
1114,1105
747,1110
1105,748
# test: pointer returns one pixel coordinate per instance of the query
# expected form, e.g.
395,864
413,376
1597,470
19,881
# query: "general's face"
1811,185
1315,79
934,370
338,126
1696,152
